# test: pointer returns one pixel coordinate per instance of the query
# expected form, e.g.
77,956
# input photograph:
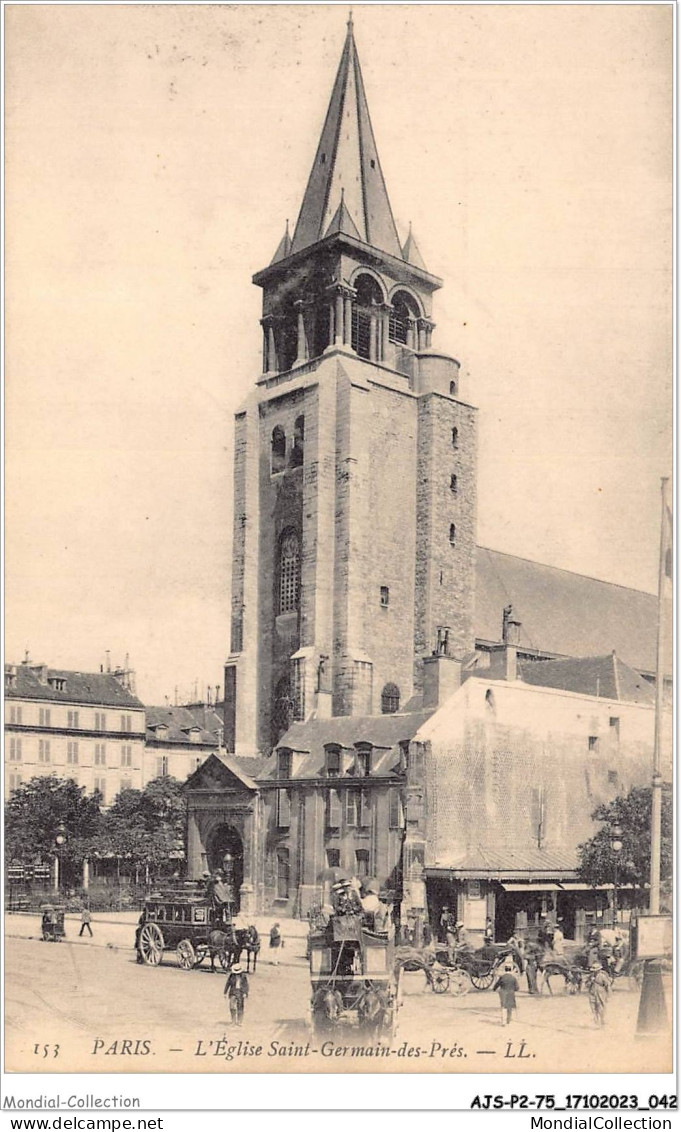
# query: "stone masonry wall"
445,573
392,535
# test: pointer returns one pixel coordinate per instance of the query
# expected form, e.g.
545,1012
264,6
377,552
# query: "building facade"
81,725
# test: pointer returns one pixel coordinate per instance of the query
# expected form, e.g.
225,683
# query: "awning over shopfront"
531,887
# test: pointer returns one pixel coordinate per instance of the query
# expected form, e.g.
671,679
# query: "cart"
52,923
354,982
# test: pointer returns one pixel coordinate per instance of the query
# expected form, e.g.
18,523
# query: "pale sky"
153,156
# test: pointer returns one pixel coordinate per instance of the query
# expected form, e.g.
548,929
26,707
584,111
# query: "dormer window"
333,762
10,679
57,682
363,761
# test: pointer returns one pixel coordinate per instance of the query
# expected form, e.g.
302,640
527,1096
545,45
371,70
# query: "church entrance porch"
225,853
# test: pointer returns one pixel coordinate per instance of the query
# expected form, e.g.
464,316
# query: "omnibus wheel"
186,956
151,945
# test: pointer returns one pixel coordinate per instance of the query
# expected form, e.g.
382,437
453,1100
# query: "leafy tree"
633,815
146,827
34,813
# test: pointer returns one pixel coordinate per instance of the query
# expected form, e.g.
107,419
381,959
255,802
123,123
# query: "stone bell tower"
354,477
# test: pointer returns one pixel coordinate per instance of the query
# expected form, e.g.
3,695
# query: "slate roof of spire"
283,248
411,253
347,160
343,222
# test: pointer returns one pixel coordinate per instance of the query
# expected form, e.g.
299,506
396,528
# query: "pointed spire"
411,253
347,160
283,248
342,221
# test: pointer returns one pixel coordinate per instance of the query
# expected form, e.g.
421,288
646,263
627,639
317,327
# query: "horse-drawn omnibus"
194,925
353,978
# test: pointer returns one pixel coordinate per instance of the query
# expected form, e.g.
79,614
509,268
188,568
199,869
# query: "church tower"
354,467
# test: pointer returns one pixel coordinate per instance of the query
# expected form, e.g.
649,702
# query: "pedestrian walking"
599,993
85,922
507,985
558,939
236,990
276,943
489,932
531,968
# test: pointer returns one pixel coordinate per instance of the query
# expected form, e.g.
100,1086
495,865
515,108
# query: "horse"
225,945
327,1007
249,941
371,1010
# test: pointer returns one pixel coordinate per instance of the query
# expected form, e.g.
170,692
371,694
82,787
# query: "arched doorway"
225,852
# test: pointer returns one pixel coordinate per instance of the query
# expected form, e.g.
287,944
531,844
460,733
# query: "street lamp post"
59,840
616,846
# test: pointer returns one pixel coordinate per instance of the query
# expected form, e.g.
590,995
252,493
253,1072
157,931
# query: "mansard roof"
38,682
382,732
346,163
564,614
173,725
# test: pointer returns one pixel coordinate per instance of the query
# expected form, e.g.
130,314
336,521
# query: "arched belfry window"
296,457
368,297
278,459
289,572
390,699
404,311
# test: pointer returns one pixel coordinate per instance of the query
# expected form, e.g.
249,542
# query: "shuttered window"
364,808
283,809
351,808
334,811
395,817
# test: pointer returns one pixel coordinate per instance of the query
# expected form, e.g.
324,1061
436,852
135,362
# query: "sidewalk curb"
302,962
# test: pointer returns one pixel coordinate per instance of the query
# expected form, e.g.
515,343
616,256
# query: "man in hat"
599,993
236,990
507,985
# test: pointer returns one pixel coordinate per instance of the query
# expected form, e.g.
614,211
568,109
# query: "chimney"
40,671
441,678
510,635
107,653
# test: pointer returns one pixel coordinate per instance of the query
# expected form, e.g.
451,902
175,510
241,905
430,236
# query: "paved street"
93,999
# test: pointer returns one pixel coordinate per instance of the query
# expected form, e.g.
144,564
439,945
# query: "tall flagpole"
656,814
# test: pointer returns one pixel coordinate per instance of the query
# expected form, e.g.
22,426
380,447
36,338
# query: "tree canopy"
633,815
145,827
34,813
